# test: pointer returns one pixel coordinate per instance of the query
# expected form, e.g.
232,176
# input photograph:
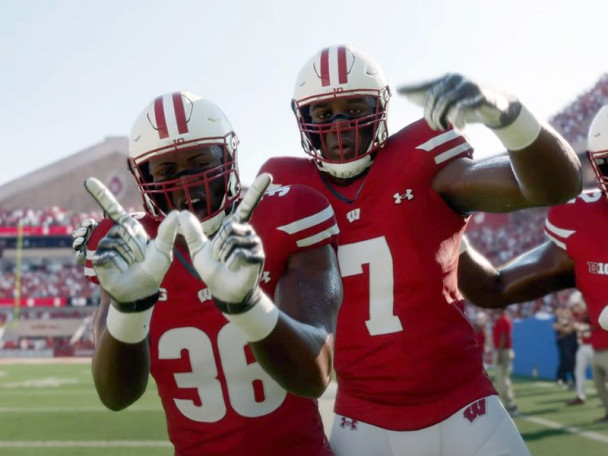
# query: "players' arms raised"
130,267
541,168
294,344
535,273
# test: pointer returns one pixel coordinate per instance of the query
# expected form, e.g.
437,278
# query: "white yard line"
569,429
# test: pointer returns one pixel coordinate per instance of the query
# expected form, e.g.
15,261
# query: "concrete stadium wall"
61,184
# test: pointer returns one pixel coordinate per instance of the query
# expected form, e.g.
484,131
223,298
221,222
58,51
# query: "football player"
575,255
410,373
239,338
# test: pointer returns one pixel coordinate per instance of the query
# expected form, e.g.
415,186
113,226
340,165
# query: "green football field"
52,410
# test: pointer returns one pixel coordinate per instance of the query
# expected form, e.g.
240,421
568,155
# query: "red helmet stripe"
180,114
161,122
342,74
325,67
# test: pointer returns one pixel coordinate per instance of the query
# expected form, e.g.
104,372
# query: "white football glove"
230,263
457,100
81,236
129,265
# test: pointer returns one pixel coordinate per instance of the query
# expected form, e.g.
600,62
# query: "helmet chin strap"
346,170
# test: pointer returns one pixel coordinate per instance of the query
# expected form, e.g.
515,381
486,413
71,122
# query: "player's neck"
347,190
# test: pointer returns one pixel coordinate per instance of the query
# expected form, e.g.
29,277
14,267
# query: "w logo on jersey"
204,295
353,215
475,410
407,195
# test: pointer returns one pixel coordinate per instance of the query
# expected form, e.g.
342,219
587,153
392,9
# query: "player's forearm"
120,371
529,276
479,281
298,356
548,170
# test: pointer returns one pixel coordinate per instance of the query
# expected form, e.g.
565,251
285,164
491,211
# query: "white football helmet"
341,72
597,148
177,122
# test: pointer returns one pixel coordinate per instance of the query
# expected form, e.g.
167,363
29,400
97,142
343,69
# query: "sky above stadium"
75,72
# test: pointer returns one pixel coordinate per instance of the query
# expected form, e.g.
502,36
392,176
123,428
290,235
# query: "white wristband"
130,328
464,244
258,322
521,133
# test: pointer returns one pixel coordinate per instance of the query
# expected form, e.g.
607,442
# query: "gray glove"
457,100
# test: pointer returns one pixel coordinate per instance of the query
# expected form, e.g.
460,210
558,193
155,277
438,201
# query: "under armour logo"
398,197
348,423
475,410
265,277
353,215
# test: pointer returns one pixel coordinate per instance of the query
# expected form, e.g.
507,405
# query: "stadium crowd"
52,216
573,121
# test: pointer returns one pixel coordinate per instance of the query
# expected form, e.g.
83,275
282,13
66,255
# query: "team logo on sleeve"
598,268
204,295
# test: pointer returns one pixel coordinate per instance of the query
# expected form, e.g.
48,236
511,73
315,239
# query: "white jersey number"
376,253
239,375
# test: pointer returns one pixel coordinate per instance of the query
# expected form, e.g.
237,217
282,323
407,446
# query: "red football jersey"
217,398
577,227
406,355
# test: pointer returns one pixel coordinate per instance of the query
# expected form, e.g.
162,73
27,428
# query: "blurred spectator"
566,338
584,353
599,367
480,324
502,333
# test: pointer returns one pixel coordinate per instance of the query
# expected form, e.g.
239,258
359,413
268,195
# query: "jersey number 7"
376,253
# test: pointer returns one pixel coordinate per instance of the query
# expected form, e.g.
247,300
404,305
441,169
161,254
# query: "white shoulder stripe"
438,140
556,242
452,152
561,232
307,222
325,234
